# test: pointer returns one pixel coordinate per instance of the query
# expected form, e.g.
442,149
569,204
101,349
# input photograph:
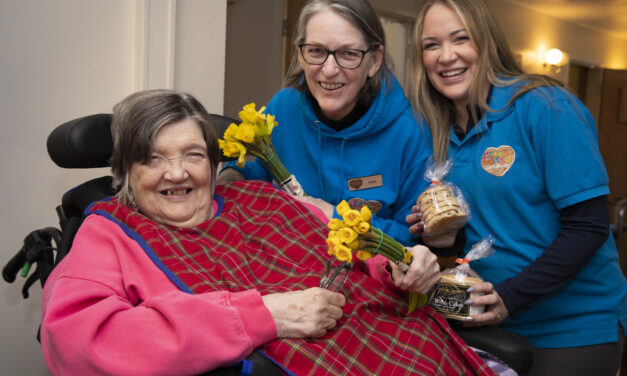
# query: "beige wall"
67,58
254,39
531,34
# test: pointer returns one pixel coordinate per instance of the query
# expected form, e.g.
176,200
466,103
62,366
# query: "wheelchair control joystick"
37,249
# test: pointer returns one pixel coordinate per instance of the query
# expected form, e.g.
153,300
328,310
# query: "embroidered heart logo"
497,161
357,203
355,183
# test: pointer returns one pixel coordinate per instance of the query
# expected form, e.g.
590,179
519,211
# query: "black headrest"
86,142
82,143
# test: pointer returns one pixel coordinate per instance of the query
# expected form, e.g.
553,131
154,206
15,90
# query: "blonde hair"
496,63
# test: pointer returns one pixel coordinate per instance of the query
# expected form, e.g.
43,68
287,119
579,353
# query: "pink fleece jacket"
108,310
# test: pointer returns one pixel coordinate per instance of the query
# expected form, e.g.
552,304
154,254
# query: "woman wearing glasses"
346,130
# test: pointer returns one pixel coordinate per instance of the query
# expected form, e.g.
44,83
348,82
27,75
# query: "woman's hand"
417,228
423,273
228,176
326,208
301,314
495,308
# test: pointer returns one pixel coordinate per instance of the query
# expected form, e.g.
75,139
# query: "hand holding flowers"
423,272
415,270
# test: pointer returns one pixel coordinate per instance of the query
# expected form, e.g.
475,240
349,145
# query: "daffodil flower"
344,253
342,208
241,159
346,234
362,227
230,134
232,149
335,224
247,132
253,136
270,124
249,115
333,242
364,255
352,217
366,214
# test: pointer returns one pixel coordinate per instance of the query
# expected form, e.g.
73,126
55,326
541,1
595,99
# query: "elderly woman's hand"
308,313
496,311
417,228
423,273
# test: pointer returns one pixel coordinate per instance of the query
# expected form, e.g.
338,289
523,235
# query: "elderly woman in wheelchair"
174,275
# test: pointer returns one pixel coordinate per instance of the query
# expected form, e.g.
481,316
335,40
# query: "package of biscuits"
442,204
449,294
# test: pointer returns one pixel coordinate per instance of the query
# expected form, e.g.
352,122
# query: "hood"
387,106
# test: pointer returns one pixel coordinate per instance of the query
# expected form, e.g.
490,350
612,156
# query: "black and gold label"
448,299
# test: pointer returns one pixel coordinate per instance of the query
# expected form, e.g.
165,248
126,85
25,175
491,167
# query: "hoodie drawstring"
319,134
340,191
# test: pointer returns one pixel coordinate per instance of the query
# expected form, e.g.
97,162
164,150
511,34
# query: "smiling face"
450,57
336,89
174,187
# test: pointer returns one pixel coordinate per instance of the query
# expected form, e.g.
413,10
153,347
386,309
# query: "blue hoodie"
379,160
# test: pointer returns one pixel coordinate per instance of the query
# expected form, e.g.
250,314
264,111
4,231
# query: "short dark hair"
136,121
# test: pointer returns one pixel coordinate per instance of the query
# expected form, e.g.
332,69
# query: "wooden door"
292,11
612,128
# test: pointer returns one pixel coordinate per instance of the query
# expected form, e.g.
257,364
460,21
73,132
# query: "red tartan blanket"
264,239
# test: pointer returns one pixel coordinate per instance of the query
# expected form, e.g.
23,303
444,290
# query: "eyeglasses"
349,58
330,280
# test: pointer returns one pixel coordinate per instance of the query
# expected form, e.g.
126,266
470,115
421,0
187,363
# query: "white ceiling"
609,16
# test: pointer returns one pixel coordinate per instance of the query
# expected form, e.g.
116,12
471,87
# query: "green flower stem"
269,158
373,242
274,164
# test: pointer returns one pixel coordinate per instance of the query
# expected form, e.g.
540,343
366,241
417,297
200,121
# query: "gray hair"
136,121
360,14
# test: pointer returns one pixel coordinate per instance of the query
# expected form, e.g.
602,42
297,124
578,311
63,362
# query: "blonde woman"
526,157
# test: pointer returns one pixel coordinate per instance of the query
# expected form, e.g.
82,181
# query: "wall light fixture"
554,60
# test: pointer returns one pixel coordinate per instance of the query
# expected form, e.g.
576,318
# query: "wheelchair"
86,143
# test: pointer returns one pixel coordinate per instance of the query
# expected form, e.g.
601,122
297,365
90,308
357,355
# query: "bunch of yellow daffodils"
254,136
354,233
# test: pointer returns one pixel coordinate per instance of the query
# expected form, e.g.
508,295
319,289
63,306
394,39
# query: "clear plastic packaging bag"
449,295
442,204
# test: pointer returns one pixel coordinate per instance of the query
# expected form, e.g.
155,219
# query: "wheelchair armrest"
512,348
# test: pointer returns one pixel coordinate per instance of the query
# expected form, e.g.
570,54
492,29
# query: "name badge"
372,181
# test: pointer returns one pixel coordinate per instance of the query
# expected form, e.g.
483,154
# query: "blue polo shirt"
517,168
